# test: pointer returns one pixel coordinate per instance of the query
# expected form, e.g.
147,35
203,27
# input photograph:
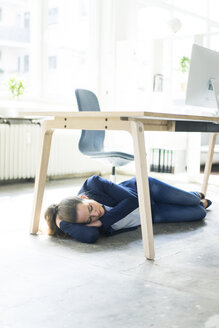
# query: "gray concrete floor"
48,282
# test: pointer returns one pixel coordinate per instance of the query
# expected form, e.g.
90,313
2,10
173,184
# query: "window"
65,46
26,63
14,41
53,68
1,70
172,28
18,64
27,20
52,62
53,16
68,35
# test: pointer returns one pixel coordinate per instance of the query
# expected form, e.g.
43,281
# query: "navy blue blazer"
123,199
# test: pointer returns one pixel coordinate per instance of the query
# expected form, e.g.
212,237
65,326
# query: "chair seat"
110,154
116,158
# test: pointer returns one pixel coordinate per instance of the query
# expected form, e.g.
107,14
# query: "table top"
139,115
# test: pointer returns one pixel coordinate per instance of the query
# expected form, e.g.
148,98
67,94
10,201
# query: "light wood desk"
135,123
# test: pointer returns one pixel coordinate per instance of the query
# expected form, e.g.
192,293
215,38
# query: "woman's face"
89,211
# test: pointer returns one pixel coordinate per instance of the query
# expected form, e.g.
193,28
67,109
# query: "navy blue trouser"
170,204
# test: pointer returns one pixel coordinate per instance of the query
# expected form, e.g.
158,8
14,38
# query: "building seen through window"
53,16
27,20
26,63
52,62
57,46
18,64
14,41
67,35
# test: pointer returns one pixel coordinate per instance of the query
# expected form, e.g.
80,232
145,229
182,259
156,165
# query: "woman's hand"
58,221
97,224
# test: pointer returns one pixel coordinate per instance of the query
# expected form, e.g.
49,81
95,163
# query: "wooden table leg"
137,131
40,180
208,163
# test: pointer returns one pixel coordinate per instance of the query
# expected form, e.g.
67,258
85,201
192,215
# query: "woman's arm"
106,189
80,232
123,200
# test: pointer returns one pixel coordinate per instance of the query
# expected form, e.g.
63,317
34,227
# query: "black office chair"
91,142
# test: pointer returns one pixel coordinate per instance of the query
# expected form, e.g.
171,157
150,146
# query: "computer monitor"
203,81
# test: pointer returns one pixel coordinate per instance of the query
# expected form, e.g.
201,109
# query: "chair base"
113,178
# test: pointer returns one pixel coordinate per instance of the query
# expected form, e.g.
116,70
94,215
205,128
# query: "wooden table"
135,123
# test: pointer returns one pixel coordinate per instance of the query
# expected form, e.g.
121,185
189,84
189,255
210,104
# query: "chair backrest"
91,141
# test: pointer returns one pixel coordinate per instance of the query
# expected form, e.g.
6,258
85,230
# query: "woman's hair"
66,211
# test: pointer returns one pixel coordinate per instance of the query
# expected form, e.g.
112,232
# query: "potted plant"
184,64
184,68
16,87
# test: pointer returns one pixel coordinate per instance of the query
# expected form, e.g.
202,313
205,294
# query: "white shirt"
129,221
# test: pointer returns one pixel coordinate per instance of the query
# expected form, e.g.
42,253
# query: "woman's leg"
177,213
164,193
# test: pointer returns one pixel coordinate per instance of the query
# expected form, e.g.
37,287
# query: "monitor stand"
208,163
215,85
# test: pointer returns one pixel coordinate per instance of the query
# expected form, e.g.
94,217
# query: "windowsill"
11,107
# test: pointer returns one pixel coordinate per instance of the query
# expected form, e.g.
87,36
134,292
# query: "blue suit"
168,204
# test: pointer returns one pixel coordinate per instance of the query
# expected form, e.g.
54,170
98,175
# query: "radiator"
19,149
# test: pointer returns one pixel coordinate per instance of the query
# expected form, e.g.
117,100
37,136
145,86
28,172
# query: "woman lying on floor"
108,208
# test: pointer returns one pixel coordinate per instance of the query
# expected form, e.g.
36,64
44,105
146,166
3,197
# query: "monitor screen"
204,66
